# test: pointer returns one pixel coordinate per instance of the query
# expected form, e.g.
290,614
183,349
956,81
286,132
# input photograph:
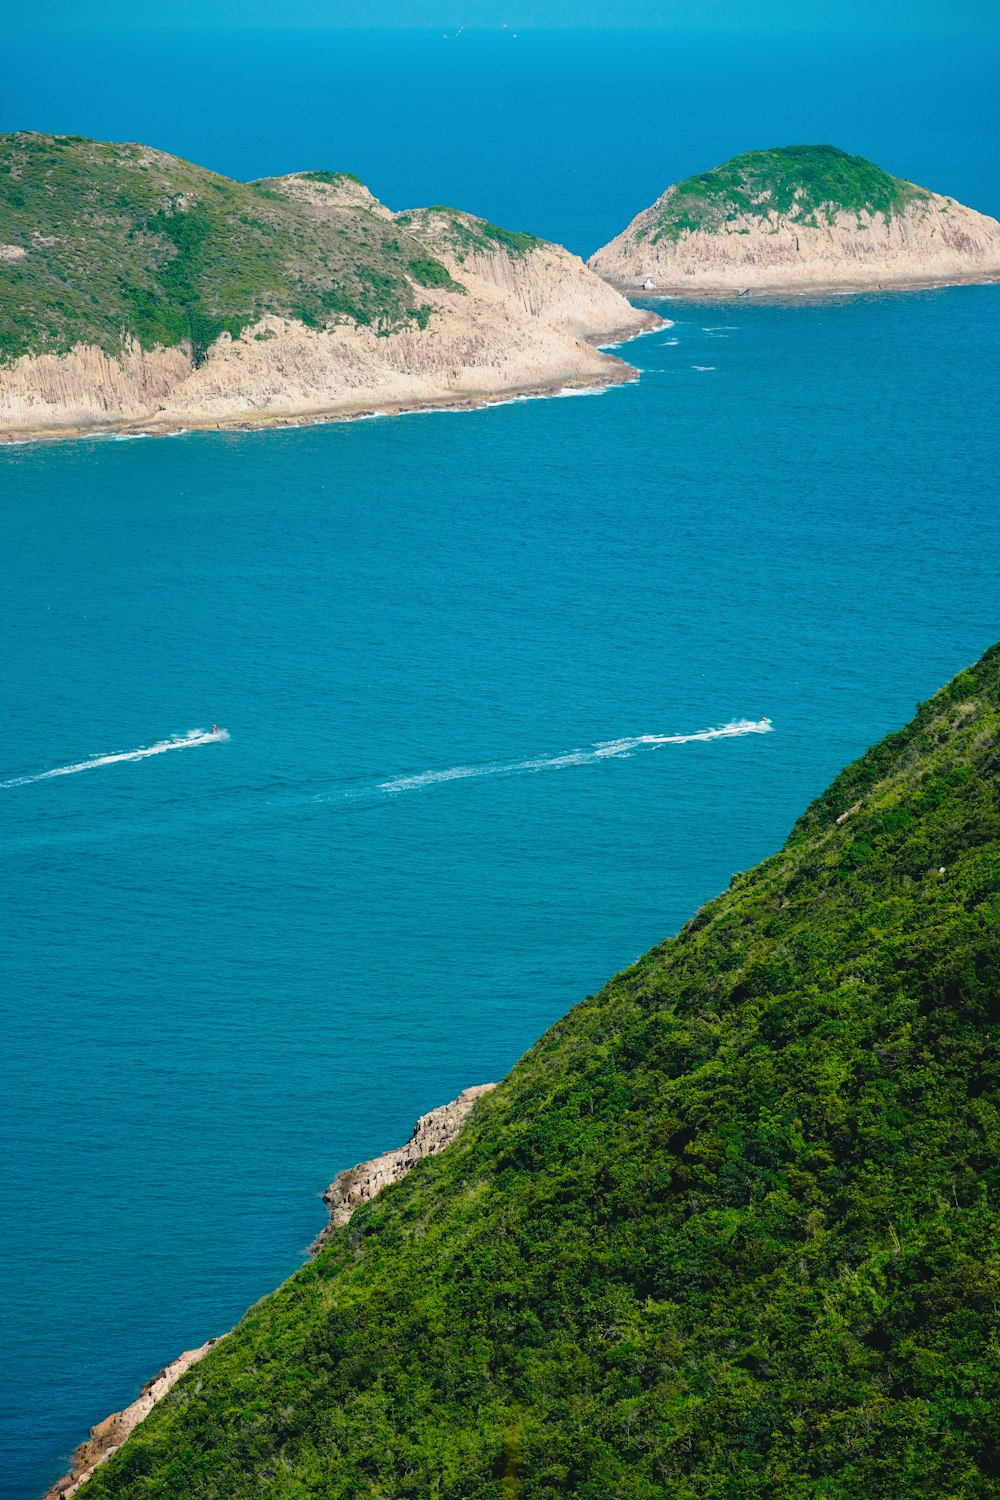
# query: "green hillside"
729,1230
121,241
809,185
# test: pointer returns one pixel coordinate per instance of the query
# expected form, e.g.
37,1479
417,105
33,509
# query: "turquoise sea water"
233,968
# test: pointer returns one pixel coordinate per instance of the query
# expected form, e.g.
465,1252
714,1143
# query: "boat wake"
178,742
586,756
603,750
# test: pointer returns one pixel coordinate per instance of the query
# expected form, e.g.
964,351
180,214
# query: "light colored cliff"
930,240
517,323
431,1134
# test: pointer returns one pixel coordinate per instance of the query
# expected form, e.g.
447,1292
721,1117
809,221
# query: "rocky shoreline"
431,1134
784,291
715,248
351,1188
616,372
525,325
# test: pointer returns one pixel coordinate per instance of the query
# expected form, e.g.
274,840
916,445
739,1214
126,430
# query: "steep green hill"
729,1230
809,185
100,242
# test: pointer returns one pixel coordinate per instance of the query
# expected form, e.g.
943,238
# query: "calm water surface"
233,969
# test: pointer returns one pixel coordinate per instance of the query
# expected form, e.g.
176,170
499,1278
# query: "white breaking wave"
604,750
178,742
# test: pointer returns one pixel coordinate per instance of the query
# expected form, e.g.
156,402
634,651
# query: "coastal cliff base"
525,325
348,1191
431,1134
107,1437
931,241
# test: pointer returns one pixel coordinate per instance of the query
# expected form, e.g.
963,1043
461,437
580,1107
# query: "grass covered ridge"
809,185
122,242
728,1232
464,234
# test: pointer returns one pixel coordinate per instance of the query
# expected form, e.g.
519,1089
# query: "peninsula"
730,1228
799,218
141,293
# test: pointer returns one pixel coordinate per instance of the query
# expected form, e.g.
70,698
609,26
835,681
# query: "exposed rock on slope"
139,291
796,218
431,1134
107,1437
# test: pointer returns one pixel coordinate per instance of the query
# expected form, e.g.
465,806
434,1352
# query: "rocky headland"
730,1228
796,219
141,293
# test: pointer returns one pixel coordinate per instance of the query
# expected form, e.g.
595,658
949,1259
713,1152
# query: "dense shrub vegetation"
808,184
126,243
728,1232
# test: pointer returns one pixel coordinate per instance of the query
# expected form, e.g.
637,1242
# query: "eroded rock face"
516,322
930,240
431,1134
88,388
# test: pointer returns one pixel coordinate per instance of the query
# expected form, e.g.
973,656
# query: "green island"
809,185
728,1231
105,244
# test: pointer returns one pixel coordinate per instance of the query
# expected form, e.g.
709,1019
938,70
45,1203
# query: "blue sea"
463,661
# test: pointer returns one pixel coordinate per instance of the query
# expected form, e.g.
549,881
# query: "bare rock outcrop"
107,1437
431,1134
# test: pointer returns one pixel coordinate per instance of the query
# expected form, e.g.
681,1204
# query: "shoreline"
773,291
616,372
352,1187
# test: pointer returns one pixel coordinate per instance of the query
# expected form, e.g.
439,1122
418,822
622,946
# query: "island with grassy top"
799,217
730,1229
141,292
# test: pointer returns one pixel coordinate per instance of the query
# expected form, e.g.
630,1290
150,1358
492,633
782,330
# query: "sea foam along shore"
348,1190
615,373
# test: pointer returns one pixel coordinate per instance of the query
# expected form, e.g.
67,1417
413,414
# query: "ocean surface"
465,664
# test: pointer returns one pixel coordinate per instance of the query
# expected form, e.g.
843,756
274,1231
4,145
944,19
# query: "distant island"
795,218
729,1229
141,292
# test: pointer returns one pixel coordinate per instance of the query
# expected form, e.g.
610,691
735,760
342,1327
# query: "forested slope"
729,1230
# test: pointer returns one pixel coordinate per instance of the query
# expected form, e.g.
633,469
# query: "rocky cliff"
799,218
431,1134
140,292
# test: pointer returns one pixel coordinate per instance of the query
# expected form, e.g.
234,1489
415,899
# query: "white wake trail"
178,742
604,750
